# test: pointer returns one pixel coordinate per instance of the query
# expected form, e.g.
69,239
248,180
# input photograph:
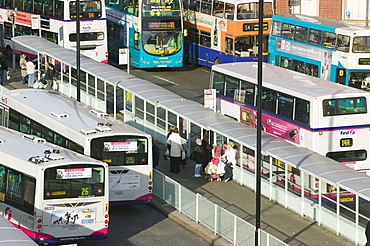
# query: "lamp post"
13,14
78,58
259,124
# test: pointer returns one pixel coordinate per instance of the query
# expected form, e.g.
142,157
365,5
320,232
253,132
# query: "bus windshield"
361,45
120,150
88,10
162,43
75,181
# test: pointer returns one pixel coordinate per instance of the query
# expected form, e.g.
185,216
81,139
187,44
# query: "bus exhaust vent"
88,132
99,114
55,157
103,129
34,139
59,116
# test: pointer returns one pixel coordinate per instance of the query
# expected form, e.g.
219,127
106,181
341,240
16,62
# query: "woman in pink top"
30,72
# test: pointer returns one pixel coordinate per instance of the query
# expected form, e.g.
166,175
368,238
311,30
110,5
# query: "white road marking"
169,81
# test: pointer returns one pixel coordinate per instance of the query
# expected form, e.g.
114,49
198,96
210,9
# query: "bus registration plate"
162,65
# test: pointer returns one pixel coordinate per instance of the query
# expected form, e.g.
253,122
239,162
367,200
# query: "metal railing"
209,214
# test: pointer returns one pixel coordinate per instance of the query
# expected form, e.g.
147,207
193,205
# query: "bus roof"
321,21
288,81
72,119
27,148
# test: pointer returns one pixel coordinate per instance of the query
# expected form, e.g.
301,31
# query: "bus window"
229,11
205,39
312,70
244,46
276,28
314,37
343,43
206,7
185,4
329,40
300,34
302,111
232,84
229,46
269,100
286,62
218,83
361,45
347,156
249,92
287,31
218,9
360,80
298,66
285,106
195,5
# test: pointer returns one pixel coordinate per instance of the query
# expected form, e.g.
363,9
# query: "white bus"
55,20
52,194
70,124
323,116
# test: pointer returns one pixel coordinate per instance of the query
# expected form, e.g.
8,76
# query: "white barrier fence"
209,214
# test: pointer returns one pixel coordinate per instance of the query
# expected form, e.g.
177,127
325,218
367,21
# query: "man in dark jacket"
3,68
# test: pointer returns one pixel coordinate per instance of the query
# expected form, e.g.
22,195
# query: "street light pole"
14,14
78,58
259,123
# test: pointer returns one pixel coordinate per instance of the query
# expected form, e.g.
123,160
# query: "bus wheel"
8,51
217,61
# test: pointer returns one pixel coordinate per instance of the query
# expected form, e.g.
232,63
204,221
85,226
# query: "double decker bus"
329,49
52,194
223,31
70,124
328,118
152,30
55,20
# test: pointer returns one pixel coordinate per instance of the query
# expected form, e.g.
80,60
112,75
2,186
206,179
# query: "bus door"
4,113
341,76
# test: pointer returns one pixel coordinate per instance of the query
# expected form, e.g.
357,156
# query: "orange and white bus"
223,31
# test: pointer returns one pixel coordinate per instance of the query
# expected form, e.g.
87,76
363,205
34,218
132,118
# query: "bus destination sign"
161,25
250,27
363,61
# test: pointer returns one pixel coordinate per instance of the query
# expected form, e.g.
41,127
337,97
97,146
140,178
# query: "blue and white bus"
155,31
329,49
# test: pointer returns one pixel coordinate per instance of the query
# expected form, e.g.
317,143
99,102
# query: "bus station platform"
239,200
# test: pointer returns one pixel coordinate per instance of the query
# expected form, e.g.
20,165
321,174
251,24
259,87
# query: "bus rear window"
121,150
75,181
343,106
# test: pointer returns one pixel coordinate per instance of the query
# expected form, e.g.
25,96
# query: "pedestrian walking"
199,156
3,68
30,72
229,158
174,140
23,66
367,234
